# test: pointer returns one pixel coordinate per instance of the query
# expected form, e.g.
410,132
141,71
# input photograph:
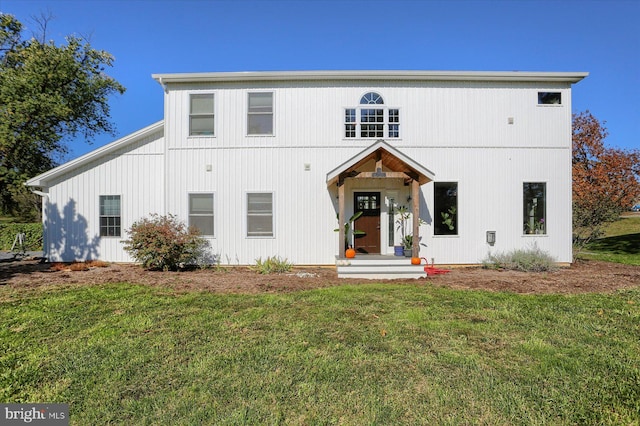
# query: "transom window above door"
371,119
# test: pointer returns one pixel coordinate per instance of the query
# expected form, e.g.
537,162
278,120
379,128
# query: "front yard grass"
369,354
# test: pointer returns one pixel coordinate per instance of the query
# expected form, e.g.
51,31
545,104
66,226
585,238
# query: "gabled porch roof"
392,159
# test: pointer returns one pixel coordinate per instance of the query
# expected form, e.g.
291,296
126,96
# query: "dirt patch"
582,277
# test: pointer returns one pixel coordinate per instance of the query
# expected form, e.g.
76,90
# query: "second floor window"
201,115
260,114
371,119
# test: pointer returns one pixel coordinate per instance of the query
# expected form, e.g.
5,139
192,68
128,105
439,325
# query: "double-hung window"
201,114
109,215
201,213
260,214
260,114
534,208
371,119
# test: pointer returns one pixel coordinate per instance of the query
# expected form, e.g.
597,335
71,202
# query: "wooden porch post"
341,236
415,198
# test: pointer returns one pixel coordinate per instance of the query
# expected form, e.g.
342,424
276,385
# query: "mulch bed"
581,277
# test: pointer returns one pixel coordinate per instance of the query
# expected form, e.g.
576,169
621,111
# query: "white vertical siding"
458,130
72,208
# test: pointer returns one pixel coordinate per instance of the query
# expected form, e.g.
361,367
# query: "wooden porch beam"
341,220
400,175
415,198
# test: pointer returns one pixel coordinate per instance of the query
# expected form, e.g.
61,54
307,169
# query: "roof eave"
42,179
334,175
521,76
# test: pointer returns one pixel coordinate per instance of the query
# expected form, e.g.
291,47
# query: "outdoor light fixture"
491,237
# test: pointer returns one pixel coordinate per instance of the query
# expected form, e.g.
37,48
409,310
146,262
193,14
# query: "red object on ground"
431,271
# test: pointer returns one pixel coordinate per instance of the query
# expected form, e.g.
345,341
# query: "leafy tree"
48,93
605,180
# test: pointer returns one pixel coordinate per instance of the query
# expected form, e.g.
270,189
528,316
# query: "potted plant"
407,238
407,243
403,217
350,232
448,218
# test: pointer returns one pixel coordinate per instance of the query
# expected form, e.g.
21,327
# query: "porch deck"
377,266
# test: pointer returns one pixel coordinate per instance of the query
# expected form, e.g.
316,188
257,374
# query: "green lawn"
370,354
621,243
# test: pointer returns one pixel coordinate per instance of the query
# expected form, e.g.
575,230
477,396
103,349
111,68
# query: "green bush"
526,260
271,265
165,243
32,238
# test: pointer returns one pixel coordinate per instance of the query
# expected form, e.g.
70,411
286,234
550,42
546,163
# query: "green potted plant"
448,218
349,230
403,217
406,237
407,243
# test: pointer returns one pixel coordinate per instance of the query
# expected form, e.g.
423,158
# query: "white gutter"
40,193
522,76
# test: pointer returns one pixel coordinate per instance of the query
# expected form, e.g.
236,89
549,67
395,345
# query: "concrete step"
379,267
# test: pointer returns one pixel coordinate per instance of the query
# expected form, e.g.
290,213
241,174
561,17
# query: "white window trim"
246,216
546,206
458,230
215,114
215,216
273,114
385,122
560,105
100,216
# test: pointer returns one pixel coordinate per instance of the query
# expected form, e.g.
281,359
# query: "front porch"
375,179
376,266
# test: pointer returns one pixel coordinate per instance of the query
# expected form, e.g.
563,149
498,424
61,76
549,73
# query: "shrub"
271,265
32,237
526,260
164,243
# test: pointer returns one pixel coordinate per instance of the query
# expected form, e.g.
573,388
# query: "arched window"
371,98
371,121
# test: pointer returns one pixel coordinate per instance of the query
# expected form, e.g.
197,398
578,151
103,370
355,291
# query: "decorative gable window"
371,119
260,114
201,115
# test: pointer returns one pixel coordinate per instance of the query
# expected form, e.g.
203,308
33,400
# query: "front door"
369,204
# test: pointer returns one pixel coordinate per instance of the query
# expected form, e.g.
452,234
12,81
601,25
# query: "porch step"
379,267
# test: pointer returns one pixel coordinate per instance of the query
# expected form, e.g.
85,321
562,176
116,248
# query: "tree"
605,180
48,93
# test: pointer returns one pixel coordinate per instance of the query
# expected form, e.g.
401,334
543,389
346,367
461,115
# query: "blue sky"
166,36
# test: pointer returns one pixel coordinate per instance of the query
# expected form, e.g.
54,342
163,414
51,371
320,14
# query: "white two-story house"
268,163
